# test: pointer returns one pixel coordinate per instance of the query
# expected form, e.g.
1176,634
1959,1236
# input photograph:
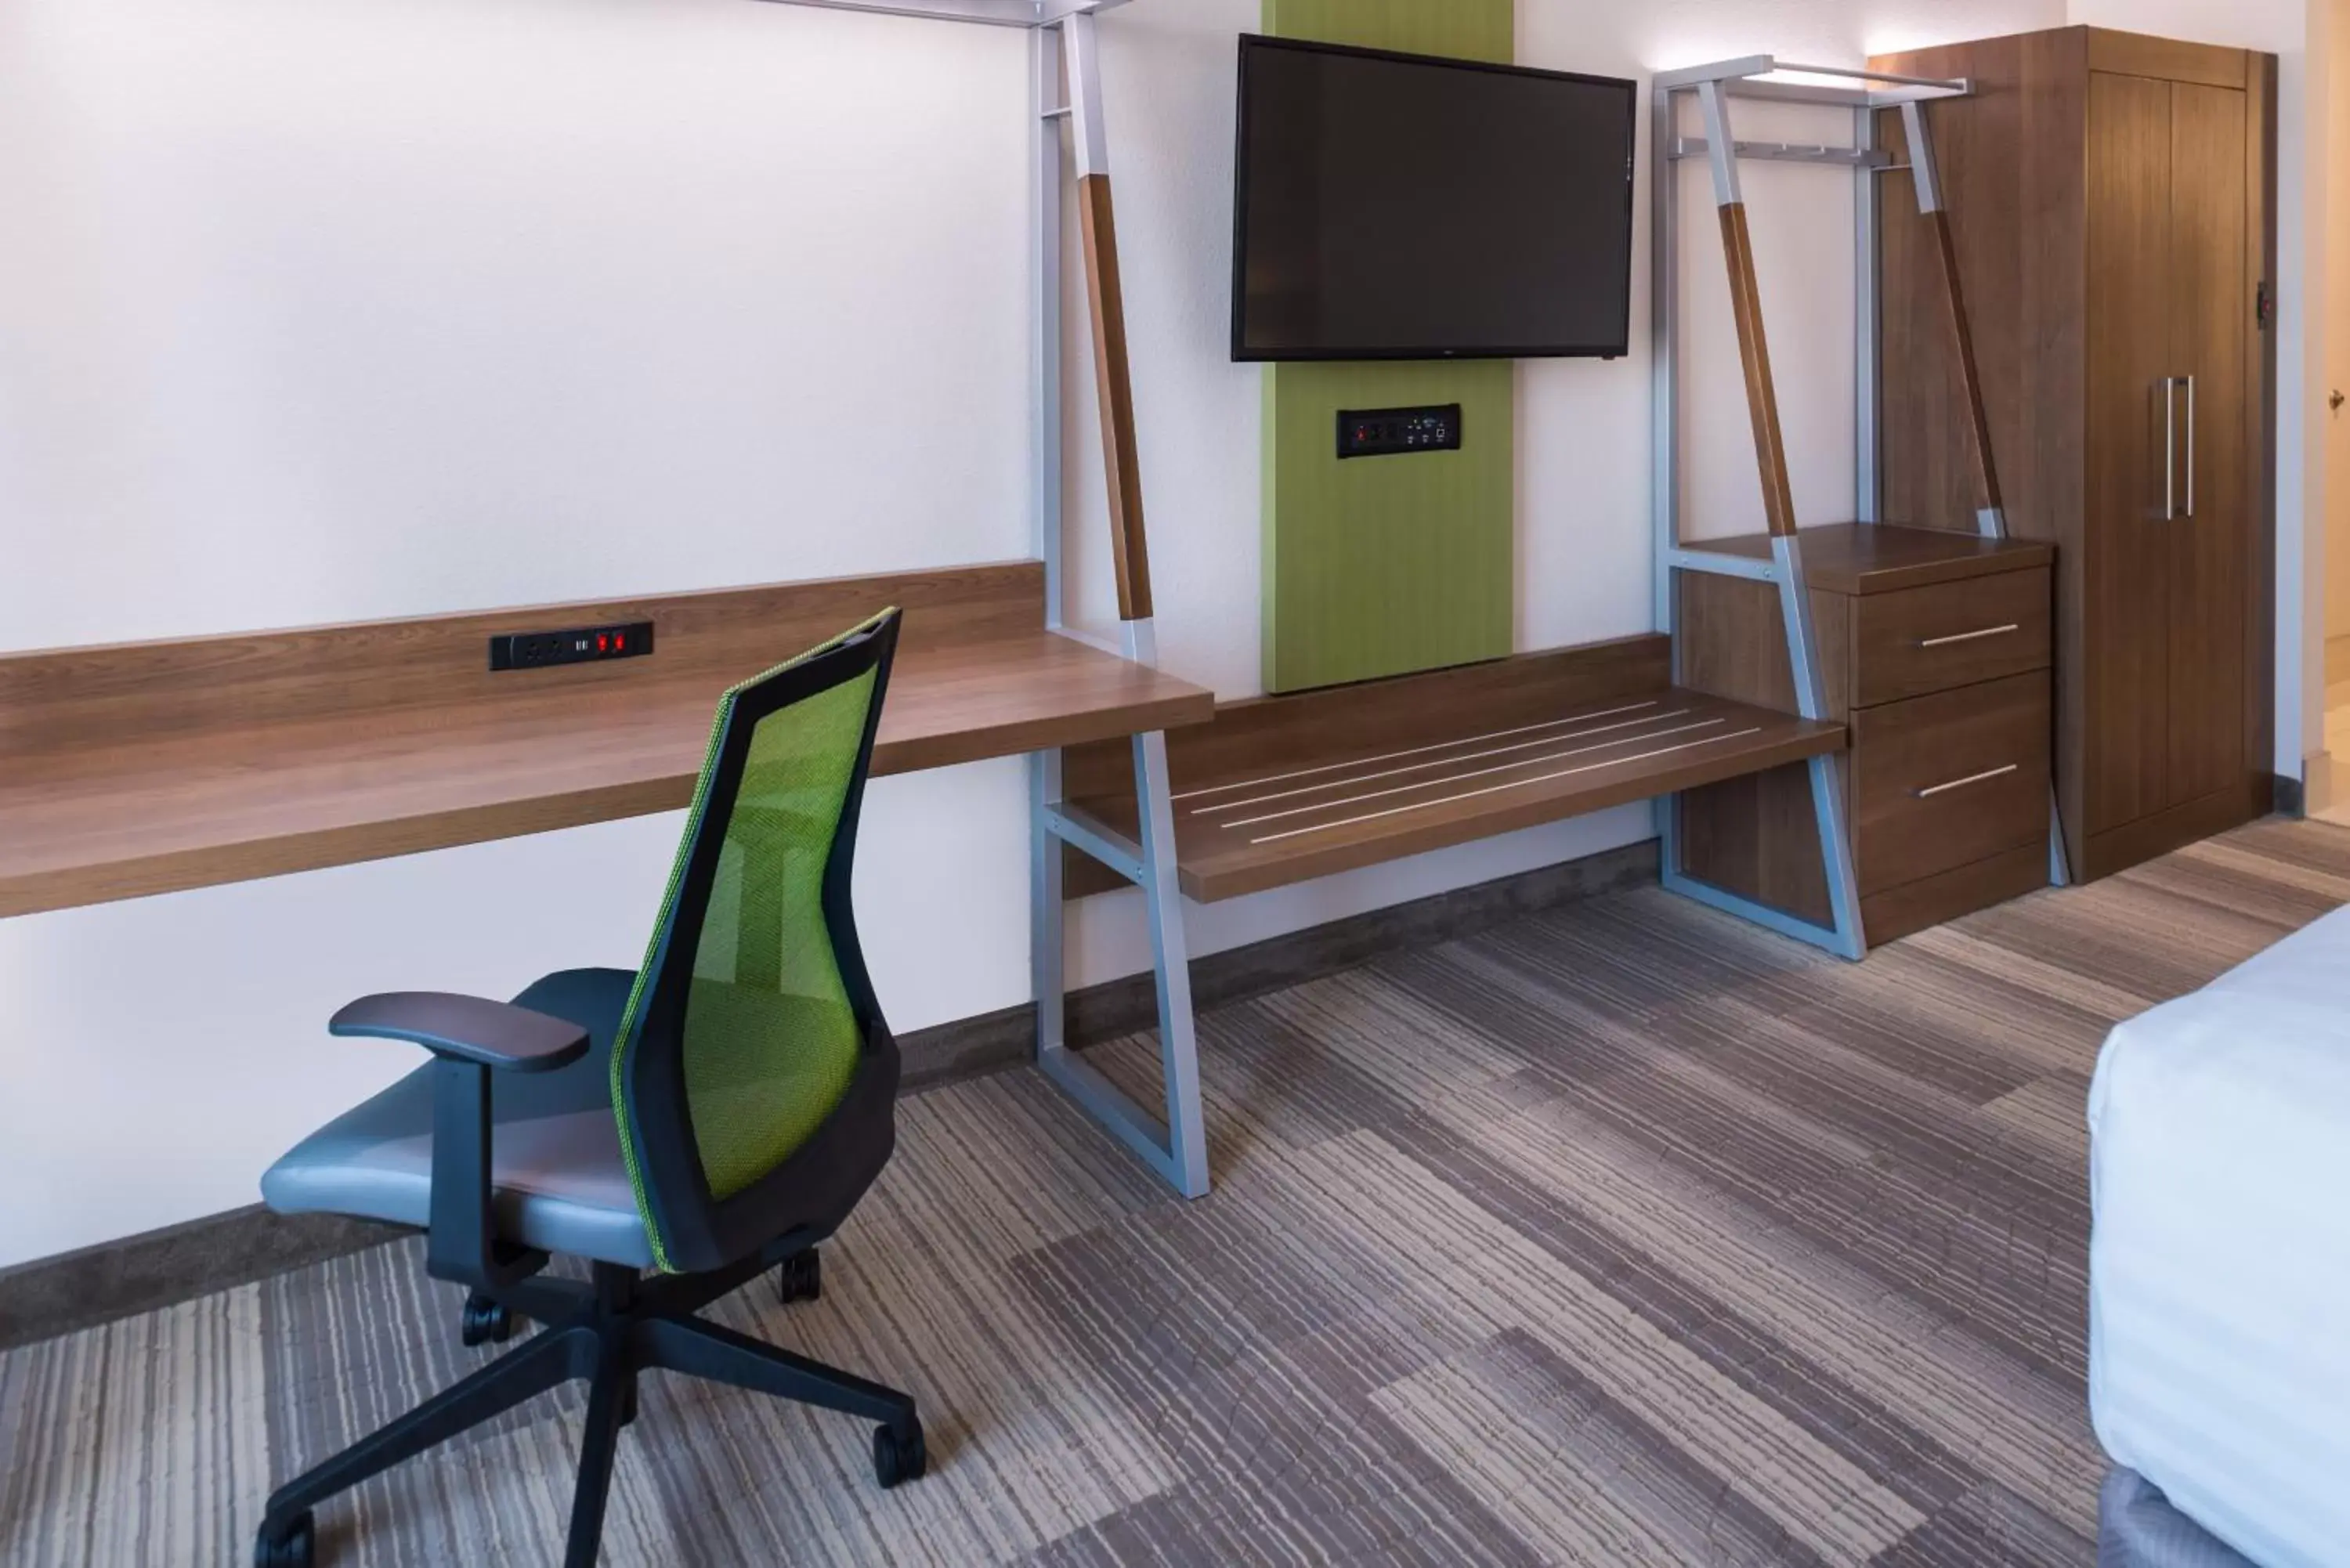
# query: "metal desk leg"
1177,1148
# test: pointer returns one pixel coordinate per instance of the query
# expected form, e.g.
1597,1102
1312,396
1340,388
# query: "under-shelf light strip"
1496,789
1410,751
1483,773
1444,762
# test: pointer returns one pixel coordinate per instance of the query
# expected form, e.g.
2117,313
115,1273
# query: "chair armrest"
466,1029
470,1038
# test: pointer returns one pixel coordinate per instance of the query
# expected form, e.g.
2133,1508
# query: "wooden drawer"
1947,635
1943,780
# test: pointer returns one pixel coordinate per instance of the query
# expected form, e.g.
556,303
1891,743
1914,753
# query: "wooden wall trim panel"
102,693
2167,60
1755,358
1121,460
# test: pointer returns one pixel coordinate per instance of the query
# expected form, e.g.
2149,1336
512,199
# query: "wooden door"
2211,541
2127,634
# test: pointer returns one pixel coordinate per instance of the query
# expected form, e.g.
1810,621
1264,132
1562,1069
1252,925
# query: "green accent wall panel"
1381,566
1465,29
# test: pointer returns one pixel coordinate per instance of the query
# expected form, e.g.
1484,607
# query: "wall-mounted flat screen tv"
1394,206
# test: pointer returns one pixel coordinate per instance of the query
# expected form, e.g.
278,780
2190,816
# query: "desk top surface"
86,819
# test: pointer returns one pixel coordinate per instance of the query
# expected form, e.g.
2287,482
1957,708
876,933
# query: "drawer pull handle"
1970,778
1969,635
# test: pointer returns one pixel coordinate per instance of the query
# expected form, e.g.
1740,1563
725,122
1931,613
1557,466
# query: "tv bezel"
1244,355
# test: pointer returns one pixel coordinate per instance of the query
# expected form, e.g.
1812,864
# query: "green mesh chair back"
753,1076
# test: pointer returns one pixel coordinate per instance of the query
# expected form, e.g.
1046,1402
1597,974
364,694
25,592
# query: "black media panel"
1396,206
581,645
1383,432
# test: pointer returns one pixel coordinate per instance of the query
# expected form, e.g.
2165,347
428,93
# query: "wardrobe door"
2210,543
2128,634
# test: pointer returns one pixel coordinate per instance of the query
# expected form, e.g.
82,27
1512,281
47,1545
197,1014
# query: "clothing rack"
1864,93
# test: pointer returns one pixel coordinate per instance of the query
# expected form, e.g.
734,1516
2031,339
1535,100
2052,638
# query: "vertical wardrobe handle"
2191,446
2169,448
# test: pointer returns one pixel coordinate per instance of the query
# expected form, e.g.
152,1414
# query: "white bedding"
2219,1266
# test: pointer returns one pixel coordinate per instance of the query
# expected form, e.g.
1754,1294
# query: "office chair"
683,1128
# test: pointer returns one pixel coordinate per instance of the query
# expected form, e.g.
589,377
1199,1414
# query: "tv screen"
1396,206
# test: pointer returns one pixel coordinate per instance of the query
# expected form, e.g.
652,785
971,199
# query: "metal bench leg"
1845,936
1176,1148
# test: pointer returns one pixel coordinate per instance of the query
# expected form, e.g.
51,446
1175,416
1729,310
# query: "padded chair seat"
558,1181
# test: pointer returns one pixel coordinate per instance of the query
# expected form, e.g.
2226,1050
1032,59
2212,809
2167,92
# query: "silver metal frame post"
1867,322
1046,949
1176,1148
1064,83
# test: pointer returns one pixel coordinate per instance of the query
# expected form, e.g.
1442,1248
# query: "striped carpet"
1627,1234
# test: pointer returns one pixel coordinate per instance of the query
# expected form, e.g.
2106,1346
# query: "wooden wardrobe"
2111,199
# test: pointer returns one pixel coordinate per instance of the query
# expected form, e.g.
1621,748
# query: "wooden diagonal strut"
1754,354
1121,461
1926,176
1829,815
1971,379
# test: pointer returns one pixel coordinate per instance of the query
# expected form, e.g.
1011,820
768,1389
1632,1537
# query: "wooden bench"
151,767
1281,789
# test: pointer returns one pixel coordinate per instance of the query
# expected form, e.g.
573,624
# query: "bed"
2219,1261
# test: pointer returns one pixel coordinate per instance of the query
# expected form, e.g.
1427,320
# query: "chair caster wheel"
800,1277
898,1454
485,1322
289,1546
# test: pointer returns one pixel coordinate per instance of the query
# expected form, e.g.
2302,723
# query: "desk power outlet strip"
588,645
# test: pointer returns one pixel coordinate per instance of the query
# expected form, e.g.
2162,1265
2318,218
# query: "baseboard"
1006,1038
2134,843
50,1296
2313,792
71,1291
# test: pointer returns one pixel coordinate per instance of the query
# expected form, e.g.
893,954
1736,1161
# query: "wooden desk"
155,767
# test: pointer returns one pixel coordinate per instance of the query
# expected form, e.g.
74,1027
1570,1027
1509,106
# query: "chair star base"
607,1332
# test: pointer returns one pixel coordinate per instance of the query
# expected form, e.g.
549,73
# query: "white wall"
317,310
